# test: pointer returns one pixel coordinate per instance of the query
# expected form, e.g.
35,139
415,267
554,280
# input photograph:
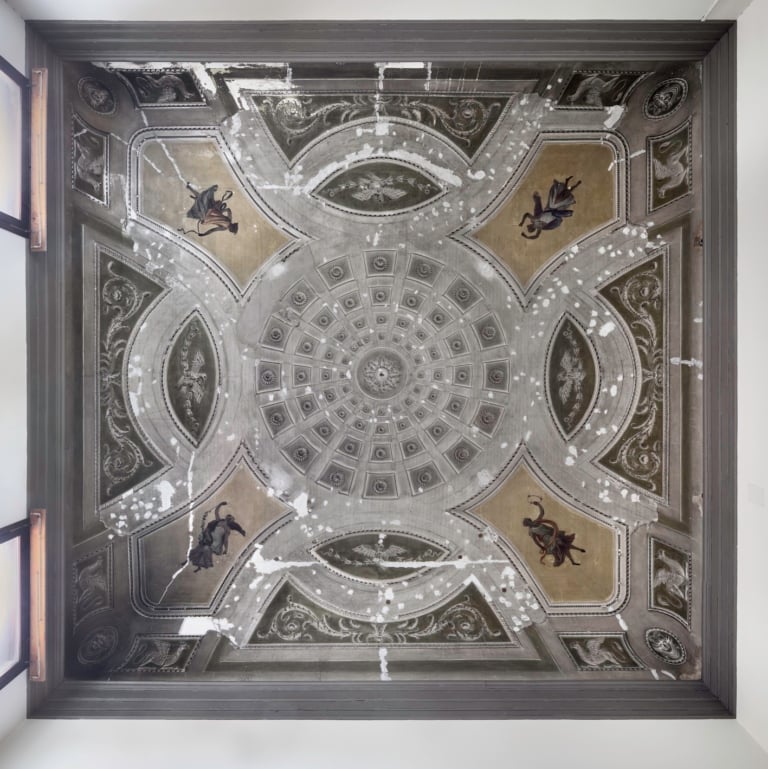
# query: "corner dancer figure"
547,535
559,201
213,539
209,212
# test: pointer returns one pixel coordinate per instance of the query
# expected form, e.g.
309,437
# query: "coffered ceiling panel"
387,374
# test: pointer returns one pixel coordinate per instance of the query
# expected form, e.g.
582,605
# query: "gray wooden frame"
53,362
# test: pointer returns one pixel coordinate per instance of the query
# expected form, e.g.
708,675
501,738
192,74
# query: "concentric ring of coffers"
383,374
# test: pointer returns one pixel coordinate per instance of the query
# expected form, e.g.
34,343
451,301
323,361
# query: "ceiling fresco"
388,372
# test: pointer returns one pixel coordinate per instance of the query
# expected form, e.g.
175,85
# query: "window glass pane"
10,147
10,604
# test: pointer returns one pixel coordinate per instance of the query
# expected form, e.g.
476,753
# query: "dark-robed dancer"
559,202
214,214
548,537
213,539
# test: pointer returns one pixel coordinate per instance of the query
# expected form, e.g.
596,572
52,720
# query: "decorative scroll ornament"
638,455
125,459
296,120
294,618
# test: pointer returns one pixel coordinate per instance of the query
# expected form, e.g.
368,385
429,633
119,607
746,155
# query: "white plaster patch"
613,115
383,665
607,328
443,174
166,491
693,362
484,477
301,504
199,626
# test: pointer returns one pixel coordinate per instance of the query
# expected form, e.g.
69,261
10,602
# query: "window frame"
20,225
19,530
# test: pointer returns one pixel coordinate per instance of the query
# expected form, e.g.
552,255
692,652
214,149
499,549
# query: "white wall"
449,745
151,10
752,626
381,745
13,381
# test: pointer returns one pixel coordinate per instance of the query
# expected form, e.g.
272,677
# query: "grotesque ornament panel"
376,374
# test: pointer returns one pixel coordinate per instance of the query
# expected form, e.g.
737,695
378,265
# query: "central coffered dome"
386,375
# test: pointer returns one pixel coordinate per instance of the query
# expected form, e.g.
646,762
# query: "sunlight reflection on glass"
10,604
10,147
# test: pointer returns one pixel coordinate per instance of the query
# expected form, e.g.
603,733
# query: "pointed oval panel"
378,187
380,556
571,376
192,378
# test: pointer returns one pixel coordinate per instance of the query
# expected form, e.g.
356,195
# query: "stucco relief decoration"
382,372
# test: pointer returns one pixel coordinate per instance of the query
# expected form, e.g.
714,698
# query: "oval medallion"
380,555
192,378
665,646
572,376
665,98
378,187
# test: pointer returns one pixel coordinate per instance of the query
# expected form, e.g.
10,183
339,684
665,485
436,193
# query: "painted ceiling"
387,373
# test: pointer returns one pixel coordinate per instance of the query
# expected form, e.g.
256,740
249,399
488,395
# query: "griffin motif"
595,655
91,587
157,654
671,172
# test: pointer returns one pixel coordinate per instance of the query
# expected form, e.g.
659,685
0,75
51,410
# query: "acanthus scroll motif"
297,119
639,298
300,620
123,457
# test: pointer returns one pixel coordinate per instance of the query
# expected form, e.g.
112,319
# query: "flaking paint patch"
484,477
383,664
693,362
301,504
199,626
166,491
607,328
